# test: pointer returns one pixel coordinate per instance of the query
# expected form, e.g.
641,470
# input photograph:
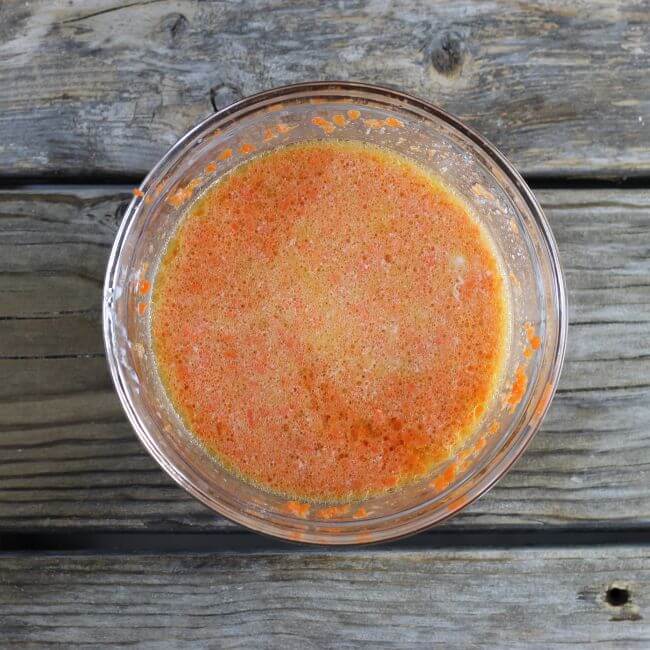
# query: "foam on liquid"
330,321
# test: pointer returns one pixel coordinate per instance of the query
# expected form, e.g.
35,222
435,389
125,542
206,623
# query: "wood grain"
104,87
69,460
536,599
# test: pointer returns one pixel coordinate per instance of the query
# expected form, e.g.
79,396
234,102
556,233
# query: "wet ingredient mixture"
330,321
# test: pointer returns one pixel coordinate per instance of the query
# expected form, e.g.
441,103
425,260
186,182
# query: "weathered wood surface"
533,599
105,86
69,460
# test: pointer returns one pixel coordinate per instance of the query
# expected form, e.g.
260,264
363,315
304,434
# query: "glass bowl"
465,161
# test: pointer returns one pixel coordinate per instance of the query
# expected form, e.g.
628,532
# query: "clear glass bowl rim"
526,430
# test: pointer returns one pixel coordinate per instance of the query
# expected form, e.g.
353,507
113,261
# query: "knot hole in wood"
619,600
617,596
224,94
120,211
448,54
174,25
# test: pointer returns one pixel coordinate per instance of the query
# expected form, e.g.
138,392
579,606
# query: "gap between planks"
239,541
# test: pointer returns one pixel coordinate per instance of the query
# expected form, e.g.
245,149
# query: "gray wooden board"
533,598
69,460
105,86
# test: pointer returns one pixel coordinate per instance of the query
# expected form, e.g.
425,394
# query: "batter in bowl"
330,321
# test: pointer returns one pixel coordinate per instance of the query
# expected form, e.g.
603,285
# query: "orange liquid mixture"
330,321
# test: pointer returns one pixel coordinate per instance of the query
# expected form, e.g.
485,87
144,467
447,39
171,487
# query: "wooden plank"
68,459
106,86
533,599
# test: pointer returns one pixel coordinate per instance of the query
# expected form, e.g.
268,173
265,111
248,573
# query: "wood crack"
32,357
78,19
603,389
